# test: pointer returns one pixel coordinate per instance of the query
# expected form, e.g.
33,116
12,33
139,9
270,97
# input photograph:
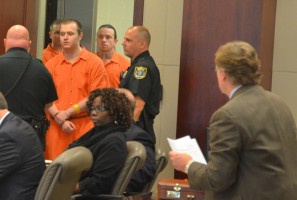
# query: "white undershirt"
234,90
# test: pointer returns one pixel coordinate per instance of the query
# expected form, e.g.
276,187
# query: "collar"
97,133
234,90
14,49
143,54
1,120
83,55
109,55
116,58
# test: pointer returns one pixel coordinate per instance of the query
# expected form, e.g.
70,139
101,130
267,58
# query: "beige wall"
164,21
284,79
41,28
118,13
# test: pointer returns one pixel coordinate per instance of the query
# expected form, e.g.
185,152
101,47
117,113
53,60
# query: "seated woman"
111,114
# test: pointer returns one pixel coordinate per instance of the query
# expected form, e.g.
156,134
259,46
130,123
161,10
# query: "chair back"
161,162
61,176
134,161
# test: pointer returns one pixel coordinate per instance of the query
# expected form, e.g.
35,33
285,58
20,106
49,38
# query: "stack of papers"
187,145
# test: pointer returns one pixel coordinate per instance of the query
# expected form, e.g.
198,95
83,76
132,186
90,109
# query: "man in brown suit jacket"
252,137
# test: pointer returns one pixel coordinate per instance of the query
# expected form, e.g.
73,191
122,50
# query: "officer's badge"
123,74
140,72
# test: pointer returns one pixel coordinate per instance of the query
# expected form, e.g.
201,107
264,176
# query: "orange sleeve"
98,75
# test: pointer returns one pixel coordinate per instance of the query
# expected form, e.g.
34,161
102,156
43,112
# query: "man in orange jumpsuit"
54,47
115,63
76,72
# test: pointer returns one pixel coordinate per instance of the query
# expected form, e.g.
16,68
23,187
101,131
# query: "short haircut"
240,62
78,24
109,26
3,103
56,22
144,34
129,96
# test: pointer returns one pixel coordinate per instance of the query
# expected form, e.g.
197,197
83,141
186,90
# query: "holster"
40,126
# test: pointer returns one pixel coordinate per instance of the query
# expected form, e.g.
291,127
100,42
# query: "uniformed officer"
142,78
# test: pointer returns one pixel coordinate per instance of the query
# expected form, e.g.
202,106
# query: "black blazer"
147,172
21,159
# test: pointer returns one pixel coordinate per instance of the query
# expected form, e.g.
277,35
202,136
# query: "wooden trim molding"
138,12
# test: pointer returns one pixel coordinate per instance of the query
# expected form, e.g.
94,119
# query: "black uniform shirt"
142,78
35,89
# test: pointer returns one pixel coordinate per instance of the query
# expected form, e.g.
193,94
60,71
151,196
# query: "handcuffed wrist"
62,122
67,113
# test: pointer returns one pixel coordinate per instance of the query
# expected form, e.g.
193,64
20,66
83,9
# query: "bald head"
17,36
142,33
129,96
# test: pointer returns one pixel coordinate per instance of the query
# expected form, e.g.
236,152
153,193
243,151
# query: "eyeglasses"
100,108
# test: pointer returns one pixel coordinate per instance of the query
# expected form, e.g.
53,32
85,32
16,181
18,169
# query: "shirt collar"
1,120
234,90
83,55
143,54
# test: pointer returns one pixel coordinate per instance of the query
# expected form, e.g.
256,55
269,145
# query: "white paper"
188,145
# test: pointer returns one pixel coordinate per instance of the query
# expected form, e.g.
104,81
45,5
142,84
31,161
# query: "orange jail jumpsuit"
115,67
73,83
48,53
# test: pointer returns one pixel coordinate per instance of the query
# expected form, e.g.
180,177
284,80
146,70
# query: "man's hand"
61,116
179,160
68,126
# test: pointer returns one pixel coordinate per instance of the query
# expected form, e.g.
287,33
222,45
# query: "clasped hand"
61,119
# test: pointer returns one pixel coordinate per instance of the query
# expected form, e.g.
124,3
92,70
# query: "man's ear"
81,35
5,46
224,75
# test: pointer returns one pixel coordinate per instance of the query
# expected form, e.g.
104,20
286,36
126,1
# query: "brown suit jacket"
252,150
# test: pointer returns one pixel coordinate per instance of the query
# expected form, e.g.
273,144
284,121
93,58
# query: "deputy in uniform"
142,78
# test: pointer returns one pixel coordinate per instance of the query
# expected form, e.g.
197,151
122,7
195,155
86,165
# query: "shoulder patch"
140,72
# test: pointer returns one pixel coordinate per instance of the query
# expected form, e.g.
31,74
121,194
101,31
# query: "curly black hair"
115,102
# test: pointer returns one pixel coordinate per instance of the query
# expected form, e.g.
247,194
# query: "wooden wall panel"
11,12
138,12
31,22
19,12
267,41
207,25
